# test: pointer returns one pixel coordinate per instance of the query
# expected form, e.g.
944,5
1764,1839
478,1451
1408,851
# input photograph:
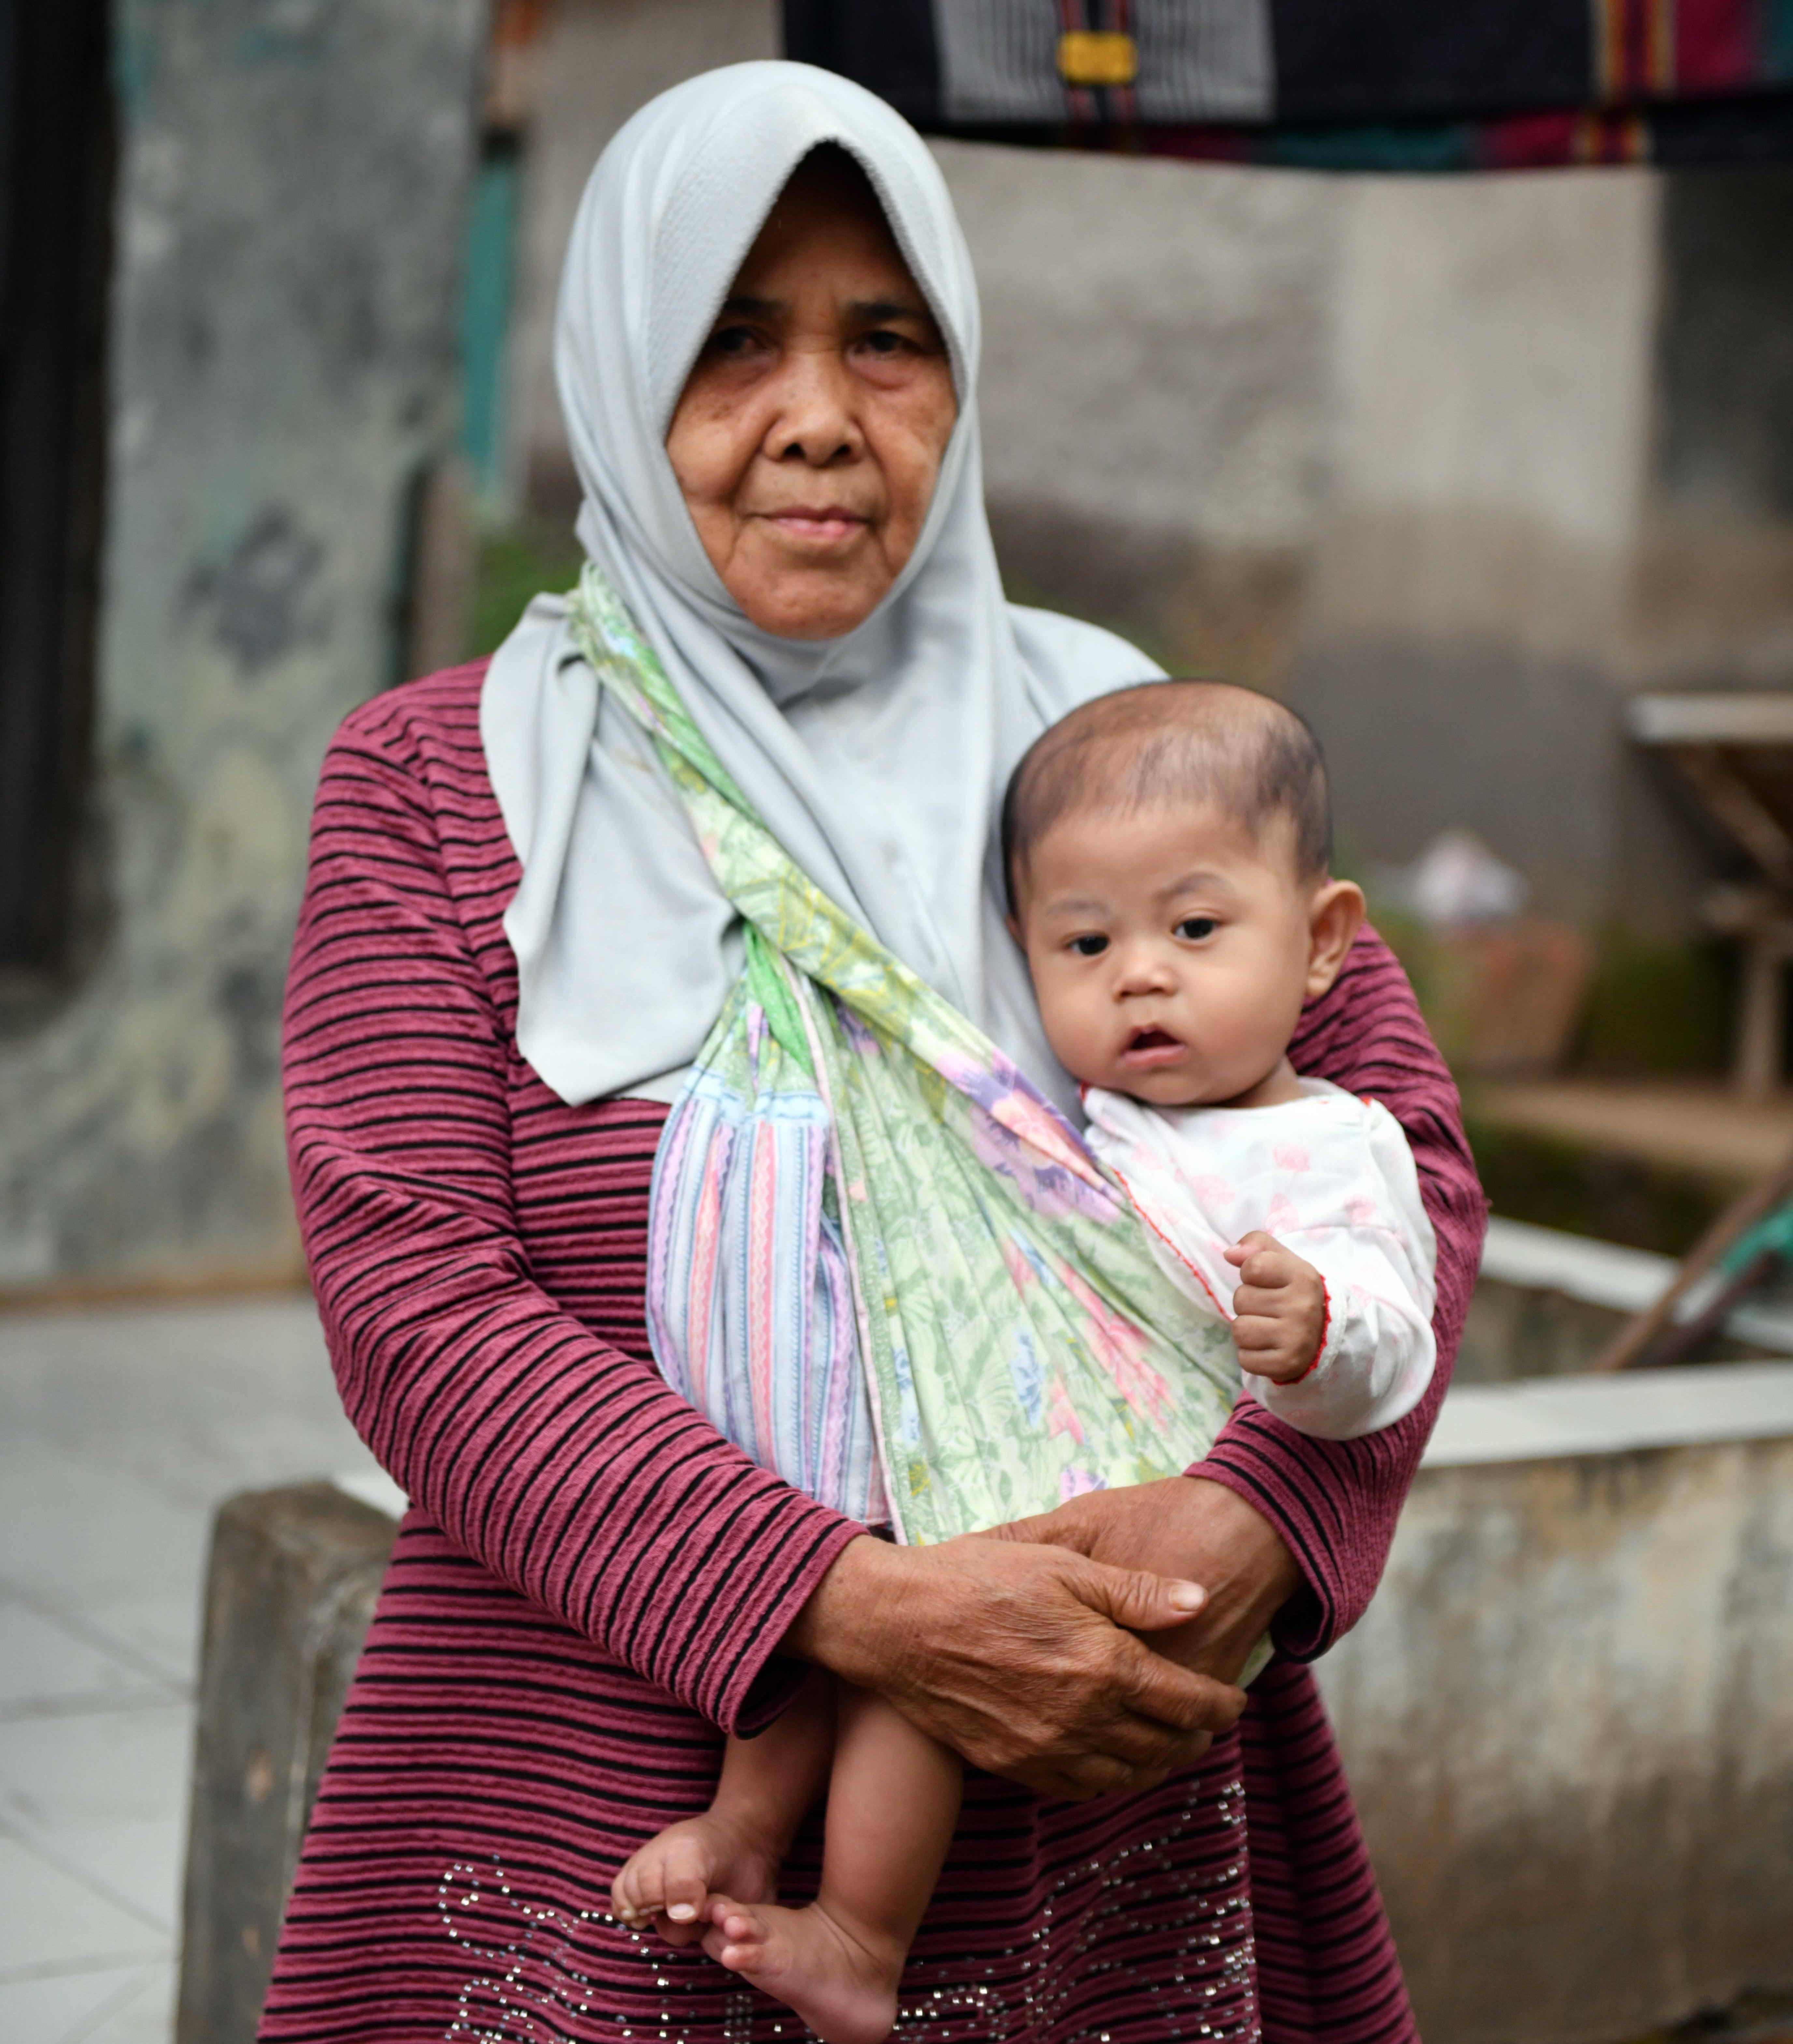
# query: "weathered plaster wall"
1568,1720
289,209
1156,390
1466,642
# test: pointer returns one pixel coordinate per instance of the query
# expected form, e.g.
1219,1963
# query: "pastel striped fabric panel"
744,1265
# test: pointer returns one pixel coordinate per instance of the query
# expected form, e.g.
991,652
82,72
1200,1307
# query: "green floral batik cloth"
875,1248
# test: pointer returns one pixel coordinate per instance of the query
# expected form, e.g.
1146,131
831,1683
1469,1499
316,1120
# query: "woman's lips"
825,525
1147,1049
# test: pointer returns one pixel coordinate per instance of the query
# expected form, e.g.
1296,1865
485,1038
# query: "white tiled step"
1543,1417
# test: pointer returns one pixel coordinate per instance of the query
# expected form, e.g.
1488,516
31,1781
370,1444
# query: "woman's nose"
815,422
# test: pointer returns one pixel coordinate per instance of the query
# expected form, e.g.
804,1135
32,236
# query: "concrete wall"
1157,391
1568,1716
1420,454
290,208
1461,646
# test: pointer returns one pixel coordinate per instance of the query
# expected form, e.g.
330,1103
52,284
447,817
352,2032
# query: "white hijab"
878,759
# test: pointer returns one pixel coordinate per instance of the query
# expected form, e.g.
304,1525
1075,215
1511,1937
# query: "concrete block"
289,1592
1568,1717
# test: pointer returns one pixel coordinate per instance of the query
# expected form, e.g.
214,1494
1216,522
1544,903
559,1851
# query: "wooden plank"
1628,1346
1741,811
1760,718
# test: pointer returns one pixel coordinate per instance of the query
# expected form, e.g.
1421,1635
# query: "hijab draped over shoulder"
878,758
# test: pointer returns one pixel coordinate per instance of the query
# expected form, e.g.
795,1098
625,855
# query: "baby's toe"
683,1881
625,1893
736,1925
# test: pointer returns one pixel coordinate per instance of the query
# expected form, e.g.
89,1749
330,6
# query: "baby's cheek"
1073,1027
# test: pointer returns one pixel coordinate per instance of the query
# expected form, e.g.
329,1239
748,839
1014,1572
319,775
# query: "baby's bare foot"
673,1877
842,1984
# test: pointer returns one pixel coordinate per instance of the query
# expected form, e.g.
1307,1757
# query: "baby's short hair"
1178,741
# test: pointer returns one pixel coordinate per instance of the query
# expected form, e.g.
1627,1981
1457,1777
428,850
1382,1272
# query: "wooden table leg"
1757,1071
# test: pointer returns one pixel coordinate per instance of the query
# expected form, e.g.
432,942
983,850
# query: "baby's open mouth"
1151,1046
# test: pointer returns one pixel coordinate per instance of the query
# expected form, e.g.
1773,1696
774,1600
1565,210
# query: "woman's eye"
734,341
1194,928
1089,946
885,347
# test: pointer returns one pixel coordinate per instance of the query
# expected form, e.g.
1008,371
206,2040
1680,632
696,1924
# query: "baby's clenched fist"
1279,1309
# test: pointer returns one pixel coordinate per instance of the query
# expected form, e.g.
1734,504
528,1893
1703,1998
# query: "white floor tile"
139,1863
145,2015
161,1627
105,1767
46,1663
51,2010
79,1537
106,1795
49,1918
121,1431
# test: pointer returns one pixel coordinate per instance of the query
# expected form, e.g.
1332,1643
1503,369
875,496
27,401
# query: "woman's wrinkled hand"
1183,1526
1021,1657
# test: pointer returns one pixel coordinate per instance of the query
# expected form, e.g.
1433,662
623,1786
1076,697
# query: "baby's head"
1168,851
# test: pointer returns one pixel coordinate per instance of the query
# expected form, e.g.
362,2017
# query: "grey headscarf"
878,759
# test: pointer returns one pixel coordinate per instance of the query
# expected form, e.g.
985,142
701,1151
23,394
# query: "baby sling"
855,1185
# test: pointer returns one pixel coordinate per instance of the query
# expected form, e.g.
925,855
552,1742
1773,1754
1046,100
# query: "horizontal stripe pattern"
591,1584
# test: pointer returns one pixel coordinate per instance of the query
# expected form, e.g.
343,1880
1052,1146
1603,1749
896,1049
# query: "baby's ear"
1012,923
1334,917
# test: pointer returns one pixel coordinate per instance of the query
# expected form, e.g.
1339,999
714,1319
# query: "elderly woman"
511,951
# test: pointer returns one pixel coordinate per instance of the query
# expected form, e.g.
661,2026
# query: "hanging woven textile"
879,1259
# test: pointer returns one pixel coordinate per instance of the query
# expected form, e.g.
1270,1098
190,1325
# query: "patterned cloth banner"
858,1196
1331,84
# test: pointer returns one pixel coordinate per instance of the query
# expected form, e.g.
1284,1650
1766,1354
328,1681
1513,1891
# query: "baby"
1167,852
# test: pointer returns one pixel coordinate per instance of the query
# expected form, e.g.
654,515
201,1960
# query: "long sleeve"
566,1466
1377,1354
1335,1502
1368,1235
1331,1178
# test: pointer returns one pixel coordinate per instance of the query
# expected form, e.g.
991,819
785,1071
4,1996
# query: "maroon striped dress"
591,1585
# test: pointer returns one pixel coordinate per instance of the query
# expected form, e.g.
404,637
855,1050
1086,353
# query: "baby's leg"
768,1785
893,1798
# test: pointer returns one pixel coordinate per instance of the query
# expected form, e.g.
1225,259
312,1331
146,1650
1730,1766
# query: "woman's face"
809,436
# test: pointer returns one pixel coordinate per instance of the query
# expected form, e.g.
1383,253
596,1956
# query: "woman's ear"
1334,917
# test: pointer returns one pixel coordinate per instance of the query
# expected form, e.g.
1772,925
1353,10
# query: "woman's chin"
811,600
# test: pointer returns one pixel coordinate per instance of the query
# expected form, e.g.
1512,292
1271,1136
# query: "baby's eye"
1089,946
1195,928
